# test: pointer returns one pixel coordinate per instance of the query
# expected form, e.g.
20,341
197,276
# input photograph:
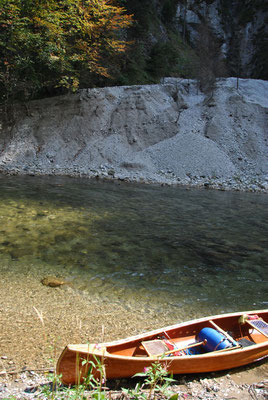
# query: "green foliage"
158,49
50,44
156,377
95,367
136,393
164,58
49,47
135,68
9,398
169,10
157,381
144,14
171,58
49,392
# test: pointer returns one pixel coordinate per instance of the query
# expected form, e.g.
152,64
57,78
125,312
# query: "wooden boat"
201,345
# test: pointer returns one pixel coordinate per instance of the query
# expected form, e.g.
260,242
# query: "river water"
201,251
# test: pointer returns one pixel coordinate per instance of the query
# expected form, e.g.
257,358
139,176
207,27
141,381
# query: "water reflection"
133,244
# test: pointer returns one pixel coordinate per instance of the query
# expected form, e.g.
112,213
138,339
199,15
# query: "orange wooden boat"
201,345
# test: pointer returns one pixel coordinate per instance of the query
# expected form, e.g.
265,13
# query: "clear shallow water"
169,248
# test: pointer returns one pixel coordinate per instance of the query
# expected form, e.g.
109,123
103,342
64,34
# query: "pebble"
256,184
29,386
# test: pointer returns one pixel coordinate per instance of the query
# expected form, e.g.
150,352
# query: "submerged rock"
53,281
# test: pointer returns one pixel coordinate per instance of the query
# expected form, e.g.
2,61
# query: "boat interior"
224,334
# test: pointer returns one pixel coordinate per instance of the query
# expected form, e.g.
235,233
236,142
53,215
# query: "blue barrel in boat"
215,339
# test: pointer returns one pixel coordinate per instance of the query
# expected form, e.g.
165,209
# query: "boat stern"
75,362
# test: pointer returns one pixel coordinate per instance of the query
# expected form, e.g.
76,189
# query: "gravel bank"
165,134
240,386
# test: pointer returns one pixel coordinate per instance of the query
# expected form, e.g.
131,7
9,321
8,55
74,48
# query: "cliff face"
173,37
239,26
168,133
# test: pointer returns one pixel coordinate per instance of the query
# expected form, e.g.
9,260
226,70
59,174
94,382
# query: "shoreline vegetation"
245,383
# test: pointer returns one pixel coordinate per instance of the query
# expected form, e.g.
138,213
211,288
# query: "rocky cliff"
166,133
175,37
239,27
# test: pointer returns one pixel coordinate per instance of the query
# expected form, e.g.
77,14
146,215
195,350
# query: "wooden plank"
223,332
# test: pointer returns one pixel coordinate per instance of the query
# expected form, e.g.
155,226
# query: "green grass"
156,383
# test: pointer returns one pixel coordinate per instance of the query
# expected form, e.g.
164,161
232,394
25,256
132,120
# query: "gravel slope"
168,133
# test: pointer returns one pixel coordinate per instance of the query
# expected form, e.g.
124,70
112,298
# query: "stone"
53,281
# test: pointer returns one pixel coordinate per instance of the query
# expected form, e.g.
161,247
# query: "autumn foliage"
47,45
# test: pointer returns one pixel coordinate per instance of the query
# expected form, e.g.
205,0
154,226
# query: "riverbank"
168,134
37,321
245,183
35,330
241,384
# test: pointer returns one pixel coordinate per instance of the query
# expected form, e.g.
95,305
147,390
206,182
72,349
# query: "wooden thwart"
223,332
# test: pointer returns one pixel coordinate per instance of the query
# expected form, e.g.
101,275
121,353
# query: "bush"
51,45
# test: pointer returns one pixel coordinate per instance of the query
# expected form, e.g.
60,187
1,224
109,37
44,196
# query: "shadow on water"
188,247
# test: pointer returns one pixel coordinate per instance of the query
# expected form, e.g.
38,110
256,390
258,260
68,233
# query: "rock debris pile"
169,133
